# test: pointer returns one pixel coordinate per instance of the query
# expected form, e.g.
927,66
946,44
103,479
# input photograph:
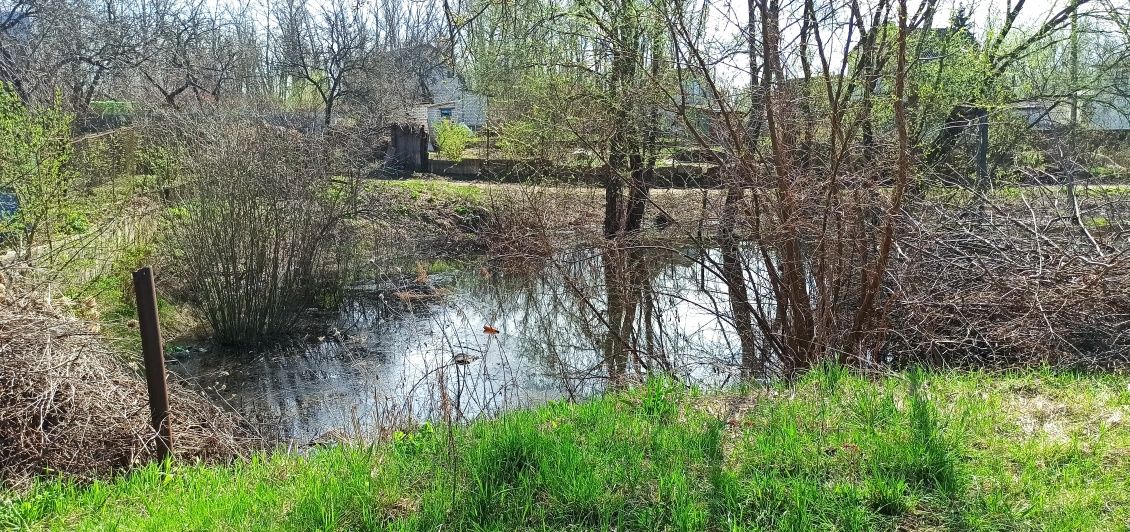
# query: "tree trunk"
734,277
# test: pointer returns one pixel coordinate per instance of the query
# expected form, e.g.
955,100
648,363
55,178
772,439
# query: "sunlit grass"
964,451
431,189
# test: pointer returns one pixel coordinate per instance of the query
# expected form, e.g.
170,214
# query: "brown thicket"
835,242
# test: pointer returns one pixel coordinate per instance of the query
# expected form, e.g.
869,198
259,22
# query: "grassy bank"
917,451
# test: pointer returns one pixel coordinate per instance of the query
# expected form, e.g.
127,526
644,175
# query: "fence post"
153,353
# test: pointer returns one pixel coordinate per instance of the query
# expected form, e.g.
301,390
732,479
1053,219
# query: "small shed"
407,150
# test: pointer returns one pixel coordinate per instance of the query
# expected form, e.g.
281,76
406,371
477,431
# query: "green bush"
536,138
452,138
35,150
161,163
75,222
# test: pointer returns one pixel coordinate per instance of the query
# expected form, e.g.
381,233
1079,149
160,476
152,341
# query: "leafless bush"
520,221
260,236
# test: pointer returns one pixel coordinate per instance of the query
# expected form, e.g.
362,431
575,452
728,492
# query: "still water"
407,346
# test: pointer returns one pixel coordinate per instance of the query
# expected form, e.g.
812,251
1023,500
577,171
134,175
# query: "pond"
473,341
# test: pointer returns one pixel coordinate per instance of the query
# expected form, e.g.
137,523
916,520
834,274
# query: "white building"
446,97
1104,108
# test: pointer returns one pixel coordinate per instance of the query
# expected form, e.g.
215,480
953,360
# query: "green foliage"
1030,158
460,195
160,162
302,95
115,305
35,147
834,452
658,402
75,222
111,107
549,101
545,128
414,442
528,139
961,75
452,138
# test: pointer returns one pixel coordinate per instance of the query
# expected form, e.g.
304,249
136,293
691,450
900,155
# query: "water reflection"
394,349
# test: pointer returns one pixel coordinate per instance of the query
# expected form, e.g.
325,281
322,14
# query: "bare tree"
326,50
175,58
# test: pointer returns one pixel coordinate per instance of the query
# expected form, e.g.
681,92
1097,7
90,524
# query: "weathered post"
154,356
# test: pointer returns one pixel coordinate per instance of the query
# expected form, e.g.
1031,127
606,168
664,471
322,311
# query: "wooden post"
153,352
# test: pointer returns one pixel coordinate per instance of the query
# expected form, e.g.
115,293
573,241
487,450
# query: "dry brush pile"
69,405
1013,282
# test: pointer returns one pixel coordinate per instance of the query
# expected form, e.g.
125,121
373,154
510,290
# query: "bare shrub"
519,222
260,236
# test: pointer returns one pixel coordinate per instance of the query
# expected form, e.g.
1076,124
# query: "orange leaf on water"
489,330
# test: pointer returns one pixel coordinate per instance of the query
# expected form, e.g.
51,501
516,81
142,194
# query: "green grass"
950,451
431,190
114,302
445,265
1016,193
445,204
110,199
